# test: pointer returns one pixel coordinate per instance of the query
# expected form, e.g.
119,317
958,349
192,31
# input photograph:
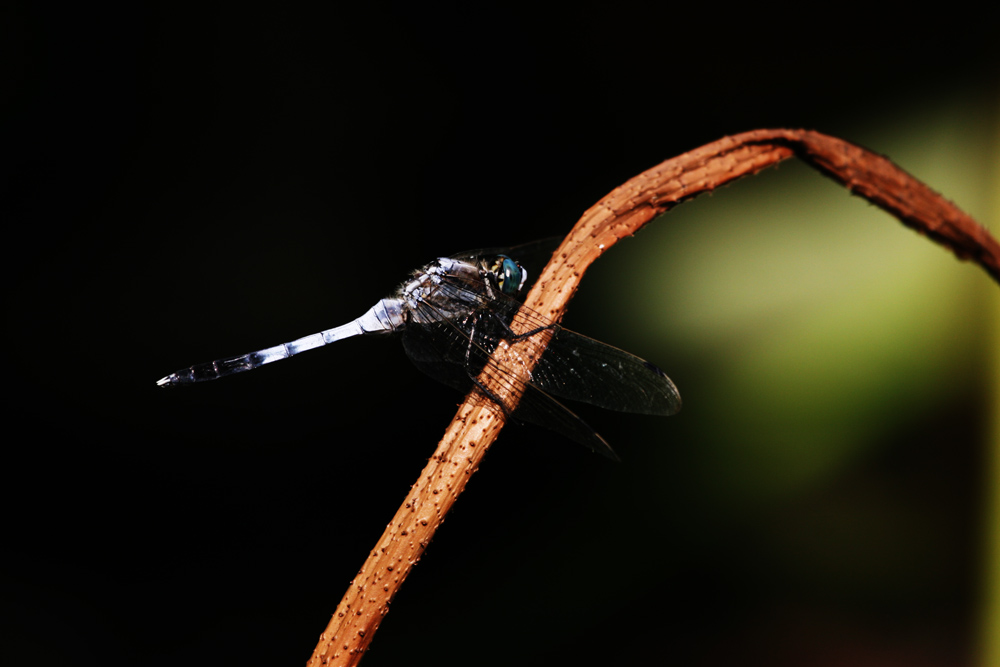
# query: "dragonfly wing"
456,351
445,353
439,351
573,366
579,368
582,369
542,409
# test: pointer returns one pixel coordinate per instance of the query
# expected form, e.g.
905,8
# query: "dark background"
182,184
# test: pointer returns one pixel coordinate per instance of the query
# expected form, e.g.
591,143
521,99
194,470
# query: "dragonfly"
454,312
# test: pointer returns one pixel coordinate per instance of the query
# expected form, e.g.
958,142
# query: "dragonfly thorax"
445,289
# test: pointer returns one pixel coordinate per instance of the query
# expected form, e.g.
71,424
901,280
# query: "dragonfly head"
508,274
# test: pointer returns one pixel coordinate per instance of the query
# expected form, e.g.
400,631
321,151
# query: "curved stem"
619,214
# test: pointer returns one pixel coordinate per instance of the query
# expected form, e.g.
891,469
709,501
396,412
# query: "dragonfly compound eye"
508,274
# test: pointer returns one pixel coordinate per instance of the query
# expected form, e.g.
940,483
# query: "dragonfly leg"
513,337
471,338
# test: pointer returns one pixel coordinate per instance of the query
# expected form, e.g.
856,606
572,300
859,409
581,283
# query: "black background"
185,183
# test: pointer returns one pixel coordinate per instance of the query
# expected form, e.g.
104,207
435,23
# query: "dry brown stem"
619,214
